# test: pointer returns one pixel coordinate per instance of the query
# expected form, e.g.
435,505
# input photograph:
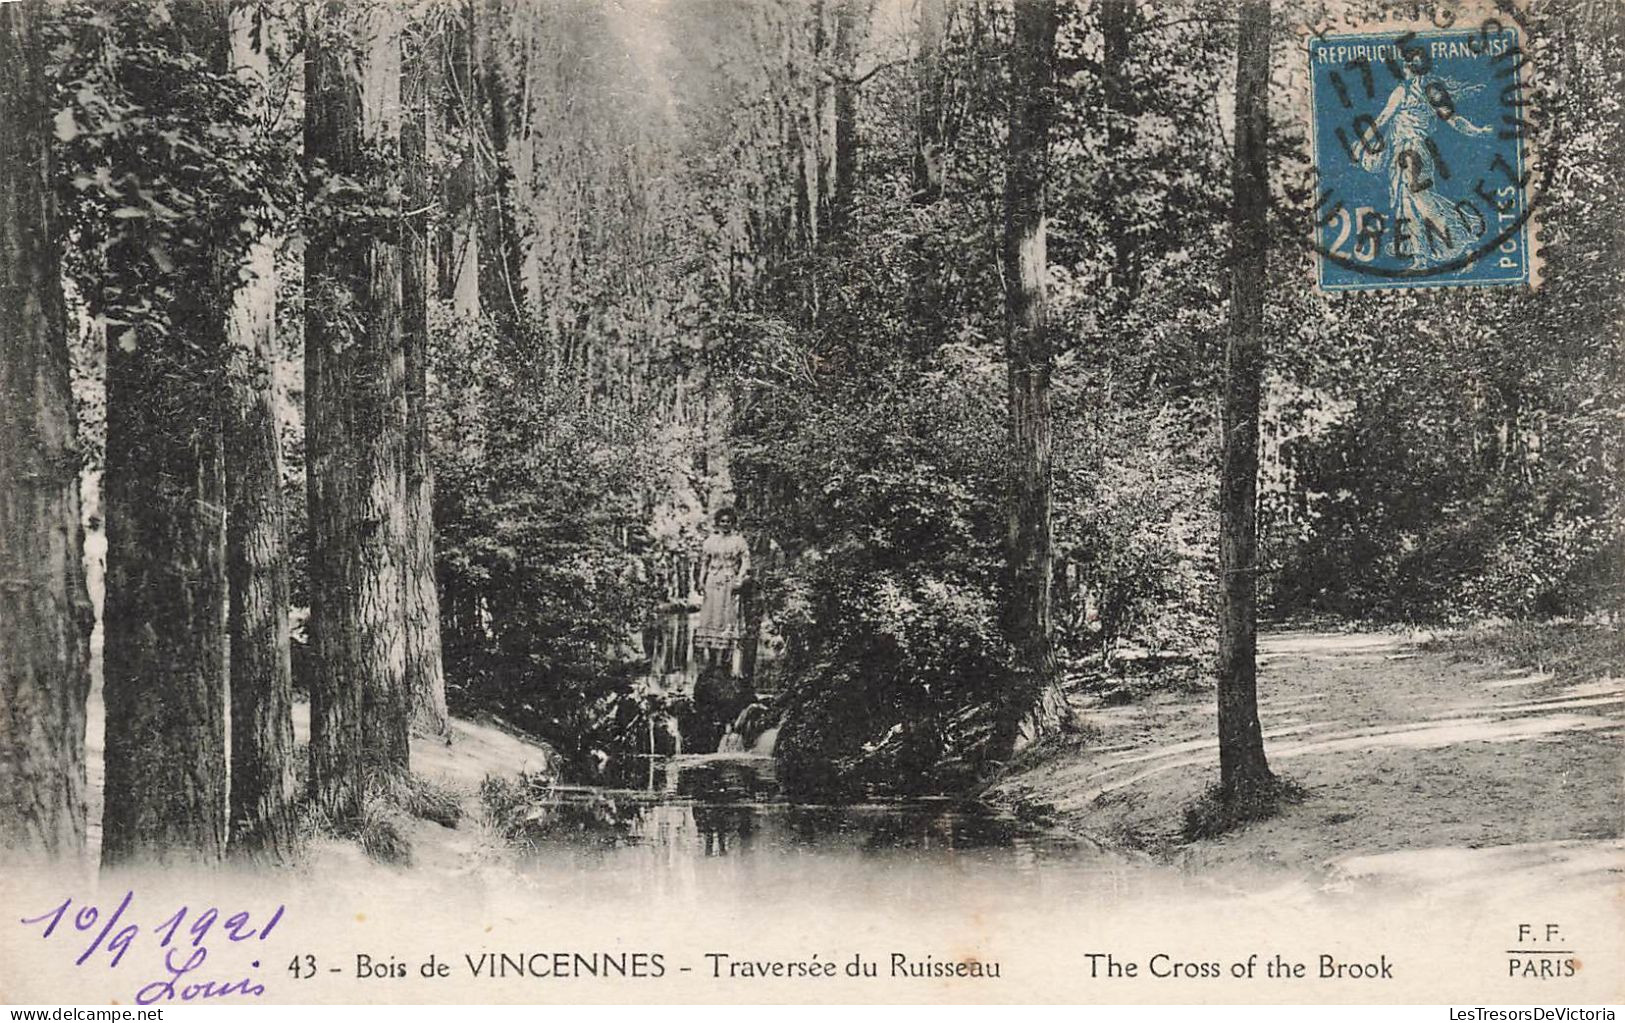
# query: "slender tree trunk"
1040,707
425,677
462,274
848,32
928,134
1242,765
262,773
501,268
355,416
752,609
45,639
804,149
1116,24
927,304
825,86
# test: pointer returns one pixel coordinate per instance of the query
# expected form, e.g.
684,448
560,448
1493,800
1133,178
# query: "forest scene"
447,431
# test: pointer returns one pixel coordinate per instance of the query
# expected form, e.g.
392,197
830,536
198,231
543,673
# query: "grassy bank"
1569,649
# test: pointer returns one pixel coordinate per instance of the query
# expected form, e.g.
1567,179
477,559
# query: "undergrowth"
381,825
1216,813
1569,649
528,811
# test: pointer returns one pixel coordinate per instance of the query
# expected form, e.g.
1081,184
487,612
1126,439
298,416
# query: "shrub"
542,556
890,594
528,812
1136,520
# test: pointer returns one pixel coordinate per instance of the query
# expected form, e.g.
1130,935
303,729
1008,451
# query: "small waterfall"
765,742
753,724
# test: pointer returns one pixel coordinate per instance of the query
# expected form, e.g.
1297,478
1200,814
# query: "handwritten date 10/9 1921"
182,936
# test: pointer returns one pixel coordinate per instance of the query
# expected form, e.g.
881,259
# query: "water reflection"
717,805
668,644
716,827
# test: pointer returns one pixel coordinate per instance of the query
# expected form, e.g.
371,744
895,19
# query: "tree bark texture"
355,417
165,655
1242,764
262,771
45,612
164,661
1030,359
425,676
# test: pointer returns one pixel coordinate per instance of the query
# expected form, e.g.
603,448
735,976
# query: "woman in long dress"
724,572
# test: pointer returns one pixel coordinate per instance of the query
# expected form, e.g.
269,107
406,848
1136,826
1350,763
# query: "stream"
716,827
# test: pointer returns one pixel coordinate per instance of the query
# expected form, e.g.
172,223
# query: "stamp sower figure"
1410,160
724,573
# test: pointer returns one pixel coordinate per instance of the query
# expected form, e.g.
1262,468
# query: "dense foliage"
1456,454
165,177
684,299
535,502
870,425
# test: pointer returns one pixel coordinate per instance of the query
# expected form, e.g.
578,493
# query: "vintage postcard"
812,501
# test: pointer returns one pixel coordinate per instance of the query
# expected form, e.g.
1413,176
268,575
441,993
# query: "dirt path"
1398,749
476,750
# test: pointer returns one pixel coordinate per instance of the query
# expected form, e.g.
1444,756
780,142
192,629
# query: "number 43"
302,967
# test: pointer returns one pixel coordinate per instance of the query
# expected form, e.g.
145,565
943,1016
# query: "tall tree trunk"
45,641
1242,765
928,134
355,416
927,304
1116,24
165,612
501,267
165,654
425,677
262,773
826,83
1038,707
848,32
462,262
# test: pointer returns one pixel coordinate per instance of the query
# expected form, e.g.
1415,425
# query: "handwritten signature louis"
185,950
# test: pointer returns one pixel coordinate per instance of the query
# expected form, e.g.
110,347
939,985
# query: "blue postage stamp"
1421,141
